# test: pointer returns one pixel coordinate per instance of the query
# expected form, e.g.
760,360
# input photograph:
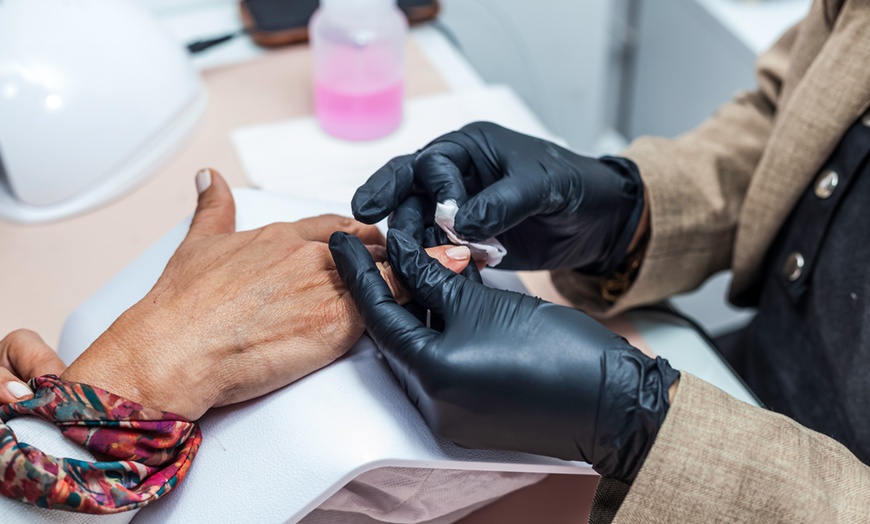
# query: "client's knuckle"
275,229
311,251
341,222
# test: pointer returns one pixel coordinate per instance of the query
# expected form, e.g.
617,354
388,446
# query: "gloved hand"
509,371
551,208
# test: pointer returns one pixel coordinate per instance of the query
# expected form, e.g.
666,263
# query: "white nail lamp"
94,96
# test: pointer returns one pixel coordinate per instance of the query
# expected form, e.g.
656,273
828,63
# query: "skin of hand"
24,355
235,315
551,208
507,370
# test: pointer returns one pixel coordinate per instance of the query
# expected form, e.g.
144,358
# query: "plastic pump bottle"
359,70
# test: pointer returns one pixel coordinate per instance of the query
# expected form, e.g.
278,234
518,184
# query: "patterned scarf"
152,449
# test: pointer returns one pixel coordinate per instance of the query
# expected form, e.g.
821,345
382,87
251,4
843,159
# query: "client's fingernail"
203,180
18,389
458,253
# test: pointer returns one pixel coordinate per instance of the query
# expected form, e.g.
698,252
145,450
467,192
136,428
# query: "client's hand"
234,315
24,355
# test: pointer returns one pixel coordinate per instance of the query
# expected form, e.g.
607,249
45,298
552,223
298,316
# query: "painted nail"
458,253
18,389
203,180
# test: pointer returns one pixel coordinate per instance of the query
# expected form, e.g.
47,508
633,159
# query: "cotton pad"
490,250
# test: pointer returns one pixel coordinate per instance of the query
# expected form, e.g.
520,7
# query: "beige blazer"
718,195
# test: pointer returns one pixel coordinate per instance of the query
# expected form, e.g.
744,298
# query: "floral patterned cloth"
152,450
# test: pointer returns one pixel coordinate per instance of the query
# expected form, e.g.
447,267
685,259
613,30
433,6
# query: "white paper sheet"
297,158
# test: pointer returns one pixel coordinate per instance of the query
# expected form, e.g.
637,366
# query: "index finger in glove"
439,168
398,333
410,217
384,191
429,283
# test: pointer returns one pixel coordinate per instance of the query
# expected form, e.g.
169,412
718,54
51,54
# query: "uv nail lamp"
308,439
94,95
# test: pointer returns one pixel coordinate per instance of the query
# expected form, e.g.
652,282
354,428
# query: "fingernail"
458,253
18,389
203,180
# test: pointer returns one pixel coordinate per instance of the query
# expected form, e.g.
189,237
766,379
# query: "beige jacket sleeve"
695,185
717,459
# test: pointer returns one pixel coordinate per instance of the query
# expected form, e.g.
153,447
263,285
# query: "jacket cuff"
679,255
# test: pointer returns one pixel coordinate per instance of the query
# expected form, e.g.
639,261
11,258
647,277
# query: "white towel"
490,250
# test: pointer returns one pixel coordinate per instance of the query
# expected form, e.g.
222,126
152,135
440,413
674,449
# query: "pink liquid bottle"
359,70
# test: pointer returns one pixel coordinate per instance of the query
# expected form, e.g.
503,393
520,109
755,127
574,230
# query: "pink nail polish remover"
359,48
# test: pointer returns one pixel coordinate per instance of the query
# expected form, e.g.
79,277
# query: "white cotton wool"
490,250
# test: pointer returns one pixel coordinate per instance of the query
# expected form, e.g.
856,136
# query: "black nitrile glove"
551,208
509,371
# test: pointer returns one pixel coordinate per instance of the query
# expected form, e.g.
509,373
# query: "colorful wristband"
152,449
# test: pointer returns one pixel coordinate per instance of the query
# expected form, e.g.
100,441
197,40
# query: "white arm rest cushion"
276,458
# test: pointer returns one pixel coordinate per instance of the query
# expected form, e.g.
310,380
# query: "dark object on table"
273,23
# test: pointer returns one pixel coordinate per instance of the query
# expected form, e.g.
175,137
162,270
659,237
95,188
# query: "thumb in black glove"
509,371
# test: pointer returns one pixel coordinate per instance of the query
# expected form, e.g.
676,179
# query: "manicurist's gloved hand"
509,371
551,208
